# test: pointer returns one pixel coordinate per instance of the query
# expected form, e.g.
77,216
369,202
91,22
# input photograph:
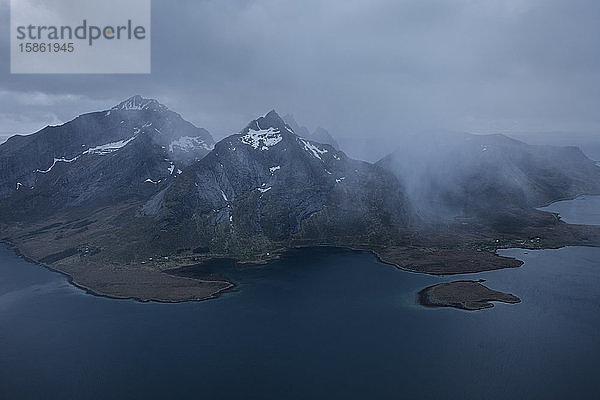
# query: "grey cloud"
368,71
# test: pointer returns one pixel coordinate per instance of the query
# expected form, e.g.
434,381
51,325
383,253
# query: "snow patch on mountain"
109,147
98,150
263,138
316,151
54,163
188,143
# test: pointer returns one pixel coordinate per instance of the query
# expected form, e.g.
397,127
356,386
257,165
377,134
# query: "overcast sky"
364,69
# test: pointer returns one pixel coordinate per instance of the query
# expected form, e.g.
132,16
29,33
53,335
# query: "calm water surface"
320,323
582,210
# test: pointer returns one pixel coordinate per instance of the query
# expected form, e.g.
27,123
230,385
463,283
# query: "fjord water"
319,323
582,210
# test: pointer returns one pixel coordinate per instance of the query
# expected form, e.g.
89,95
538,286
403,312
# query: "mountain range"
117,199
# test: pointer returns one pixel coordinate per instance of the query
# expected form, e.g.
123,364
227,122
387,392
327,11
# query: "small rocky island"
465,295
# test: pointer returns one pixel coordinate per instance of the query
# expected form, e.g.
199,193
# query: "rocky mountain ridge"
126,151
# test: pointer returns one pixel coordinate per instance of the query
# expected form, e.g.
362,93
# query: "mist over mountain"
320,135
457,174
589,143
272,182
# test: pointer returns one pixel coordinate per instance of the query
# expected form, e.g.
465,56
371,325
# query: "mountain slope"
267,185
106,156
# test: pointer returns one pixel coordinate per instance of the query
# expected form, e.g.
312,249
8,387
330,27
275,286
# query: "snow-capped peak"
138,102
271,120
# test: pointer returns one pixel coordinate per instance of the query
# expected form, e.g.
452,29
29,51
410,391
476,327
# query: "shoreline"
231,286
380,259
564,199
441,255
87,290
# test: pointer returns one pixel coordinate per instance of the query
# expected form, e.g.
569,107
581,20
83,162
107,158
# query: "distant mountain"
589,143
301,131
102,157
320,135
458,173
267,185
